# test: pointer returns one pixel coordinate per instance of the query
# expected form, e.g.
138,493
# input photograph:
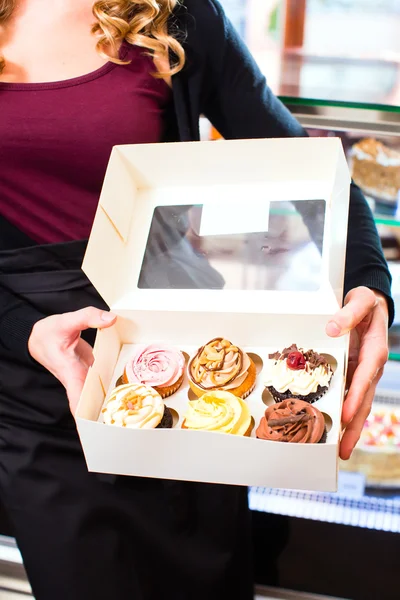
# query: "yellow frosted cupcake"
219,365
222,412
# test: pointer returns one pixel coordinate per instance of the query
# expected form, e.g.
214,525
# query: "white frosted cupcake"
297,373
136,406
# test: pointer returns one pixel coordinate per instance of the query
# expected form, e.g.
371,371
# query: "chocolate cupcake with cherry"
293,421
298,373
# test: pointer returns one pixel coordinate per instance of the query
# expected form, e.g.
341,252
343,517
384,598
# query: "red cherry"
296,361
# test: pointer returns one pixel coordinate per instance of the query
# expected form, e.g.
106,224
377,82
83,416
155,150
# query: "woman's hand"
55,342
365,316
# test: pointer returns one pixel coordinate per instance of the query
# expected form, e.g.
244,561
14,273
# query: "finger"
351,369
84,351
353,430
358,304
74,391
90,317
73,380
366,375
354,351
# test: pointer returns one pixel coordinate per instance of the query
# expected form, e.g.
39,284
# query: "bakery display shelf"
326,78
381,219
394,337
370,512
357,502
370,134
345,116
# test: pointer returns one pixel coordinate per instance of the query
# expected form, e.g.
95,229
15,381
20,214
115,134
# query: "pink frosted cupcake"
156,365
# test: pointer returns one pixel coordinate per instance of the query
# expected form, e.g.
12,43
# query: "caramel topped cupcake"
220,365
293,421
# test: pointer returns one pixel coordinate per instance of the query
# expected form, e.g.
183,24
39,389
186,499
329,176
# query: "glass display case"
368,499
336,65
335,50
371,138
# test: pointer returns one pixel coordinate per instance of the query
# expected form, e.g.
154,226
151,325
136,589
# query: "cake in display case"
376,169
377,454
374,163
369,484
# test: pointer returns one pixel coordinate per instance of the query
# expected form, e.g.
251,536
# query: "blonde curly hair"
139,22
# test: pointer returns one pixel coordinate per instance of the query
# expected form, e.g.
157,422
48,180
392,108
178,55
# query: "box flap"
181,223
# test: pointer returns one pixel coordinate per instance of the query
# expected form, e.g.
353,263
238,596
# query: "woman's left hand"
365,316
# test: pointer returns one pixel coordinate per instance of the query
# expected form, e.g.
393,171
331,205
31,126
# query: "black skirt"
84,536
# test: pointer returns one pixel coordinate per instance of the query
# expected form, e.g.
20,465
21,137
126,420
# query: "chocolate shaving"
285,352
299,418
314,359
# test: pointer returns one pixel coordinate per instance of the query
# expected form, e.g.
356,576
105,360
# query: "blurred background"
345,50
336,66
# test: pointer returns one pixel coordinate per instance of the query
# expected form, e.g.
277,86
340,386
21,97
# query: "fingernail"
107,316
333,329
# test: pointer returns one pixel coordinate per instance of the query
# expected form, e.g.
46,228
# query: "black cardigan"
221,81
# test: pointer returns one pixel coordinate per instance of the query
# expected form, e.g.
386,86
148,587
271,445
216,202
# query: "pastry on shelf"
376,169
377,454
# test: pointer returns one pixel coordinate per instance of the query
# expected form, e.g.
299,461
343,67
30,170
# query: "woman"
63,107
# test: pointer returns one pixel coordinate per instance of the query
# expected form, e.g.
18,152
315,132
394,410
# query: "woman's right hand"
55,342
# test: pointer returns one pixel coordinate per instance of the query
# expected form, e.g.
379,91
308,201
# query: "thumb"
86,318
359,303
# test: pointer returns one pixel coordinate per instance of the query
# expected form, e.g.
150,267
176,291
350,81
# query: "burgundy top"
56,139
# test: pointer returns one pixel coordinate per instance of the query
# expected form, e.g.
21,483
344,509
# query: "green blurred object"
274,20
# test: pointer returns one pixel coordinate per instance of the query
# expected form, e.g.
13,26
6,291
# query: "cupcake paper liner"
310,398
164,392
248,392
324,437
167,420
321,441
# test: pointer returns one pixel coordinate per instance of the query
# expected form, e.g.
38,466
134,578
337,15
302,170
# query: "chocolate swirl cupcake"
220,365
293,421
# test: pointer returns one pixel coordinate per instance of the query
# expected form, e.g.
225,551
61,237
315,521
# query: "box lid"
236,226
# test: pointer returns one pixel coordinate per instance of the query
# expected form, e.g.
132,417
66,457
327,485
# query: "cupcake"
219,365
138,407
158,366
293,421
294,372
218,411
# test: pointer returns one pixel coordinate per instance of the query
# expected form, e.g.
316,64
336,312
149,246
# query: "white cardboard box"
268,183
